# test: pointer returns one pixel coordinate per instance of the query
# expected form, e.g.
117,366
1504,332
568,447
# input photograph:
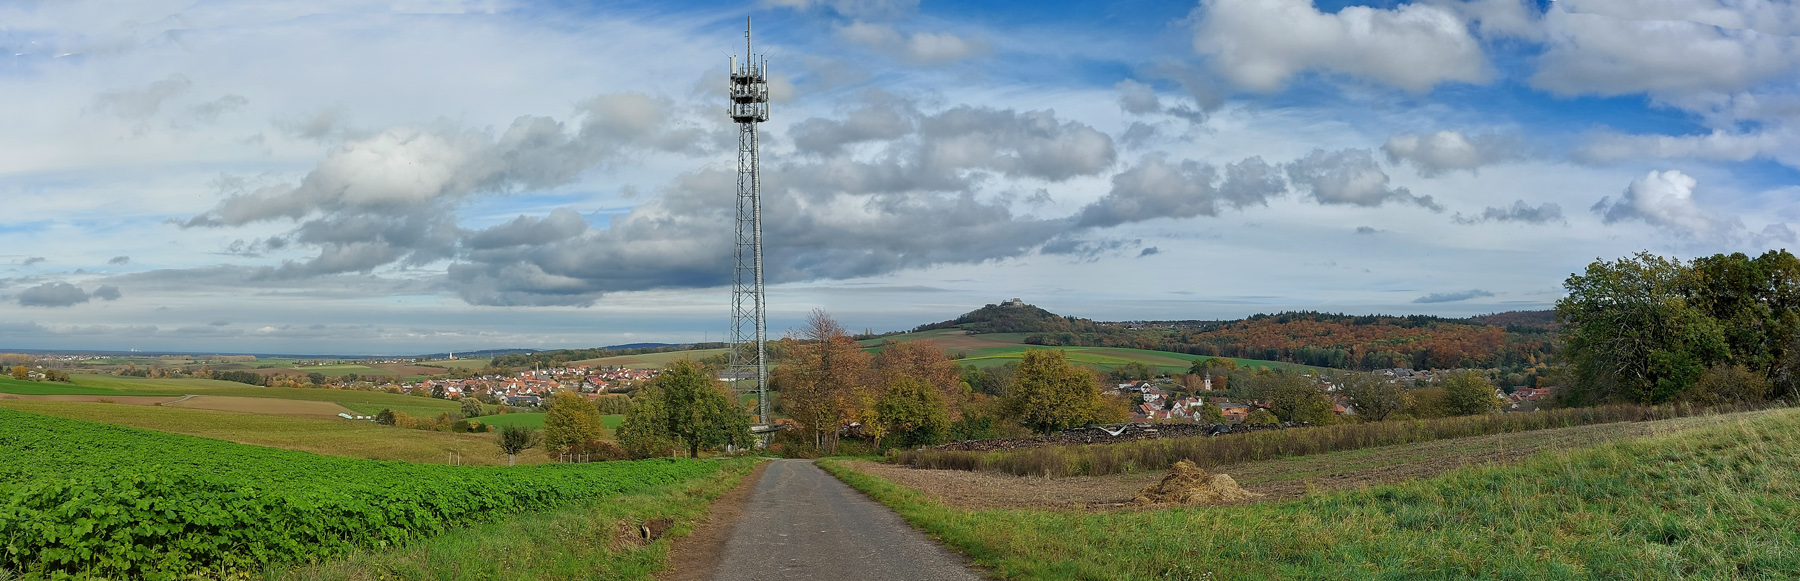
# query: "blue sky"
405,177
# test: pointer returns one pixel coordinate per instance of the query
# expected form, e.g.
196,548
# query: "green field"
458,363
336,437
363,402
1711,502
611,422
8,385
92,499
649,360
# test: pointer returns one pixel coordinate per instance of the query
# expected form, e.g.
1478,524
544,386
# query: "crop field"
649,360
96,500
362,402
261,405
457,363
1713,501
332,436
56,388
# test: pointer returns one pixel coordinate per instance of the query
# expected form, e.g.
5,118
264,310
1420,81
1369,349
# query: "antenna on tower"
748,369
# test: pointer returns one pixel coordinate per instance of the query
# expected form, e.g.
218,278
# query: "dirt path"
802,523
696,557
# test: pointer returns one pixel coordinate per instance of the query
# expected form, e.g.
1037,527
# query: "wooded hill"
1514,340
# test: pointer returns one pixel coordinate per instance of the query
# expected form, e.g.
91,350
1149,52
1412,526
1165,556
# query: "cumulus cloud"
117,260
389,197
1159,188
52,294
1452,297
1446,151
107,293
1669,48
1262,44
1544,213
1664,199
837,212
1350,177
923,48
1139,98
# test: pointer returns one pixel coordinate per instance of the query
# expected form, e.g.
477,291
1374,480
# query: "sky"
418,176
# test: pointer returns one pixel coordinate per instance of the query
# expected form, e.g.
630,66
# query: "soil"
696,556
124,399
261,405
1274,480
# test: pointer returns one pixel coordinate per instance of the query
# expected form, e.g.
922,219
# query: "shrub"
1261,417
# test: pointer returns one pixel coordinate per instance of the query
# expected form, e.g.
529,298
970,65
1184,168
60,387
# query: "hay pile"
1187,484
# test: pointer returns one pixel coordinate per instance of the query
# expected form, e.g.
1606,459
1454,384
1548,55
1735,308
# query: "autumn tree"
1373,398
1049,394
471,407
1468,393
1211,414
913,412
20,373
823,380
515,439
1297,398
922,360
571,420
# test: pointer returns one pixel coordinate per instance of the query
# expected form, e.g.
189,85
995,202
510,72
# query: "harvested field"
1283,479
262,405
124,399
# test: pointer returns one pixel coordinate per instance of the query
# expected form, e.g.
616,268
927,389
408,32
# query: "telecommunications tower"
749,106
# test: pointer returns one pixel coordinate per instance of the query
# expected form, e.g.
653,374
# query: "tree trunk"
511,458
693,450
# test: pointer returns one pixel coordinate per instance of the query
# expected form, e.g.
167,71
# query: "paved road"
801,523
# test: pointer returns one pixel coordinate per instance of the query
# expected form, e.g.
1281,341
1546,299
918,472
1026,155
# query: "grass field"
335,437
1710,502
457,363
537,420
649,360
9,385
362,402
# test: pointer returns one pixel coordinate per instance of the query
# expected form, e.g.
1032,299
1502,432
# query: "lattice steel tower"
749,106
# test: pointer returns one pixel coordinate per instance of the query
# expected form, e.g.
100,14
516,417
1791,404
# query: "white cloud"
1674,53
1447,151
922,48
1777,143
1664,199
1350,177
1261,44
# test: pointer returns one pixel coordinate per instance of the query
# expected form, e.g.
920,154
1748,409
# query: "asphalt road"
801,523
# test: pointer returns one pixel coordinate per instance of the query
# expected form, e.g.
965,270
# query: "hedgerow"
80,499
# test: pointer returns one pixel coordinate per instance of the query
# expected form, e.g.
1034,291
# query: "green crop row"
80,499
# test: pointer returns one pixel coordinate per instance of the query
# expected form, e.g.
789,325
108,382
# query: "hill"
1517,341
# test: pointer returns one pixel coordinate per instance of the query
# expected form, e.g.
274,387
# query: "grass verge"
580,541
1715,502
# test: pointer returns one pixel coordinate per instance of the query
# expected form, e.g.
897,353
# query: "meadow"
88,499
611,422
1207,452
1714,502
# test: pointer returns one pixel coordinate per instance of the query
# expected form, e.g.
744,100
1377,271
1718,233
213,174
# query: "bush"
1261,417
594,451
1723,384
386,417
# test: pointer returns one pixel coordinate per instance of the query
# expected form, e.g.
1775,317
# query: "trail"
801,523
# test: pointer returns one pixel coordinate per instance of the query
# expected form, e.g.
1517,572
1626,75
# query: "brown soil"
124,399
261,405
696,556
1273,480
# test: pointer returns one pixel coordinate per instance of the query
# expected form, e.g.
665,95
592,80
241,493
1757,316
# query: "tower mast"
749,106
